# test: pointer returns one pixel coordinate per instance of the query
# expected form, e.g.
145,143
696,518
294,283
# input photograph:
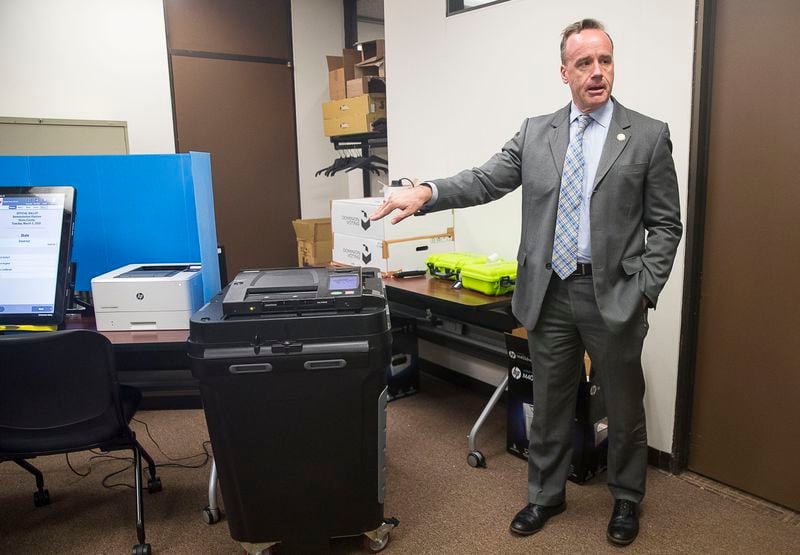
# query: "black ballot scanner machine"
291,364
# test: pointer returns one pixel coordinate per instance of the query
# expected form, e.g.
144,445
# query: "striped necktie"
565,243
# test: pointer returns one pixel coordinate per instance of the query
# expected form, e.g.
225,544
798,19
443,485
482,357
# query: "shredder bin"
296,412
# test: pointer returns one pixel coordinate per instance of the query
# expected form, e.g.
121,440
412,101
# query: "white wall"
88,59
459,87
457,95
317,30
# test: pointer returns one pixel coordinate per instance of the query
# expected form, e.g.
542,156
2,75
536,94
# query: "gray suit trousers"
570,322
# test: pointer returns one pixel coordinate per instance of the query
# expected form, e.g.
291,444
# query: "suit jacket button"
549,266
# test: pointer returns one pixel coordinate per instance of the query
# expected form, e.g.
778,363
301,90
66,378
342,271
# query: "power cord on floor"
174,464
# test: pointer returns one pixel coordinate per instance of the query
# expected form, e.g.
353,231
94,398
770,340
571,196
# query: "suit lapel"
618,137
559,137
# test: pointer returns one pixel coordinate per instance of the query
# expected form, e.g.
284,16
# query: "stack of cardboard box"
357,87
357,241
314,241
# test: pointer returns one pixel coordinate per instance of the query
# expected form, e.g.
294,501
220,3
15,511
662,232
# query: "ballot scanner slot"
281,289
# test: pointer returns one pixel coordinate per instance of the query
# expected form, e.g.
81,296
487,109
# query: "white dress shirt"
594,137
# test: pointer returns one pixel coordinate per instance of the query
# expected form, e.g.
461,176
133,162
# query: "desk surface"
429,294
144,337
443,290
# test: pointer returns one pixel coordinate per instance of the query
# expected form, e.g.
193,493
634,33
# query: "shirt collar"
602,115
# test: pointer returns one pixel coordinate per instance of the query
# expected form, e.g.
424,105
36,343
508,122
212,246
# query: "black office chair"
59,394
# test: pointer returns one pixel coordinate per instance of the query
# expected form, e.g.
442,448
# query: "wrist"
426,190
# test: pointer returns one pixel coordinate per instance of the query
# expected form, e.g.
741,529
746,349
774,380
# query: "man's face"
589,68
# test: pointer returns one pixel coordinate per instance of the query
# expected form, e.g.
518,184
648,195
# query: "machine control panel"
298,290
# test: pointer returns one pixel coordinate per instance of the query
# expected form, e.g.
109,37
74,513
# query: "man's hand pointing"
408,200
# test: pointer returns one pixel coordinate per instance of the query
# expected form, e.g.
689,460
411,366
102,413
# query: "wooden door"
746,411
233,92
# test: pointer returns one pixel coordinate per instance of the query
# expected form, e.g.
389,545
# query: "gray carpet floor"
444,505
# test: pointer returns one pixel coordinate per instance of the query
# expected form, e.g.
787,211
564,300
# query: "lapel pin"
621,137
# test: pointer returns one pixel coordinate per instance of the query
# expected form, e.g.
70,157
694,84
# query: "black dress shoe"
531,519
624,524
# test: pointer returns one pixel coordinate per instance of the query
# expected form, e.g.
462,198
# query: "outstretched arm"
497,177
408,200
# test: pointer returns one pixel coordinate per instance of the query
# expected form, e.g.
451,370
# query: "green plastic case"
447,265
490,278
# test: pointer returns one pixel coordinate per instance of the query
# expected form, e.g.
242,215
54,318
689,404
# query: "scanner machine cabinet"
292,370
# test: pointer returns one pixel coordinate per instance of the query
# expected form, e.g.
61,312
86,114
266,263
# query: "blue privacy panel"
132,209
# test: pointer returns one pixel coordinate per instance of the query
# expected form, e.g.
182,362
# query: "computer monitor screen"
35,242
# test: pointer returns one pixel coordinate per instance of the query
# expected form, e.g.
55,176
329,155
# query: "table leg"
475,458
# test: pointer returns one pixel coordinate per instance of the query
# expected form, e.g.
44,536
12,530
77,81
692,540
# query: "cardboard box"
372,60
370,84
314,254
352,115
351,217
359,105
372,49
349,125
314,241
590,446
388,256
341,69
371,67
313,229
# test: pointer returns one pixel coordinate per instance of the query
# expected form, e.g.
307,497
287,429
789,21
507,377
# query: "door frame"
705,11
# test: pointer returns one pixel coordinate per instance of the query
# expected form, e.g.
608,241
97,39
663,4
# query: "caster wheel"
154,485
211,516
476,460
141,549
376,545
41,498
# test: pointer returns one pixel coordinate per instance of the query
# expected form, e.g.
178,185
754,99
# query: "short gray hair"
576,28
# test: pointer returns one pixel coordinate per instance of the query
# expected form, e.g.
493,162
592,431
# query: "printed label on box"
386,256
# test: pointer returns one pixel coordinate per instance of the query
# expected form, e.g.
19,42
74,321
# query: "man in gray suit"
600,227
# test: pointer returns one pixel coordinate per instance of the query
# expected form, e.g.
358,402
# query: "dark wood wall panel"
244,27
747,393
237,112
233,96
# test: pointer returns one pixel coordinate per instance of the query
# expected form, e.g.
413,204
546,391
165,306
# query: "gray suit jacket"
635,209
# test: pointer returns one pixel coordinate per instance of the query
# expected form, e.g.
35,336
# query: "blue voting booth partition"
131,209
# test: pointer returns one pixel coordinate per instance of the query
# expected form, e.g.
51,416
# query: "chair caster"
141,549
376,540
476,459
41,498
154,485
211,516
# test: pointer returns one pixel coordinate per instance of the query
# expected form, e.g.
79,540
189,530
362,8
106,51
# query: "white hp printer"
147,297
